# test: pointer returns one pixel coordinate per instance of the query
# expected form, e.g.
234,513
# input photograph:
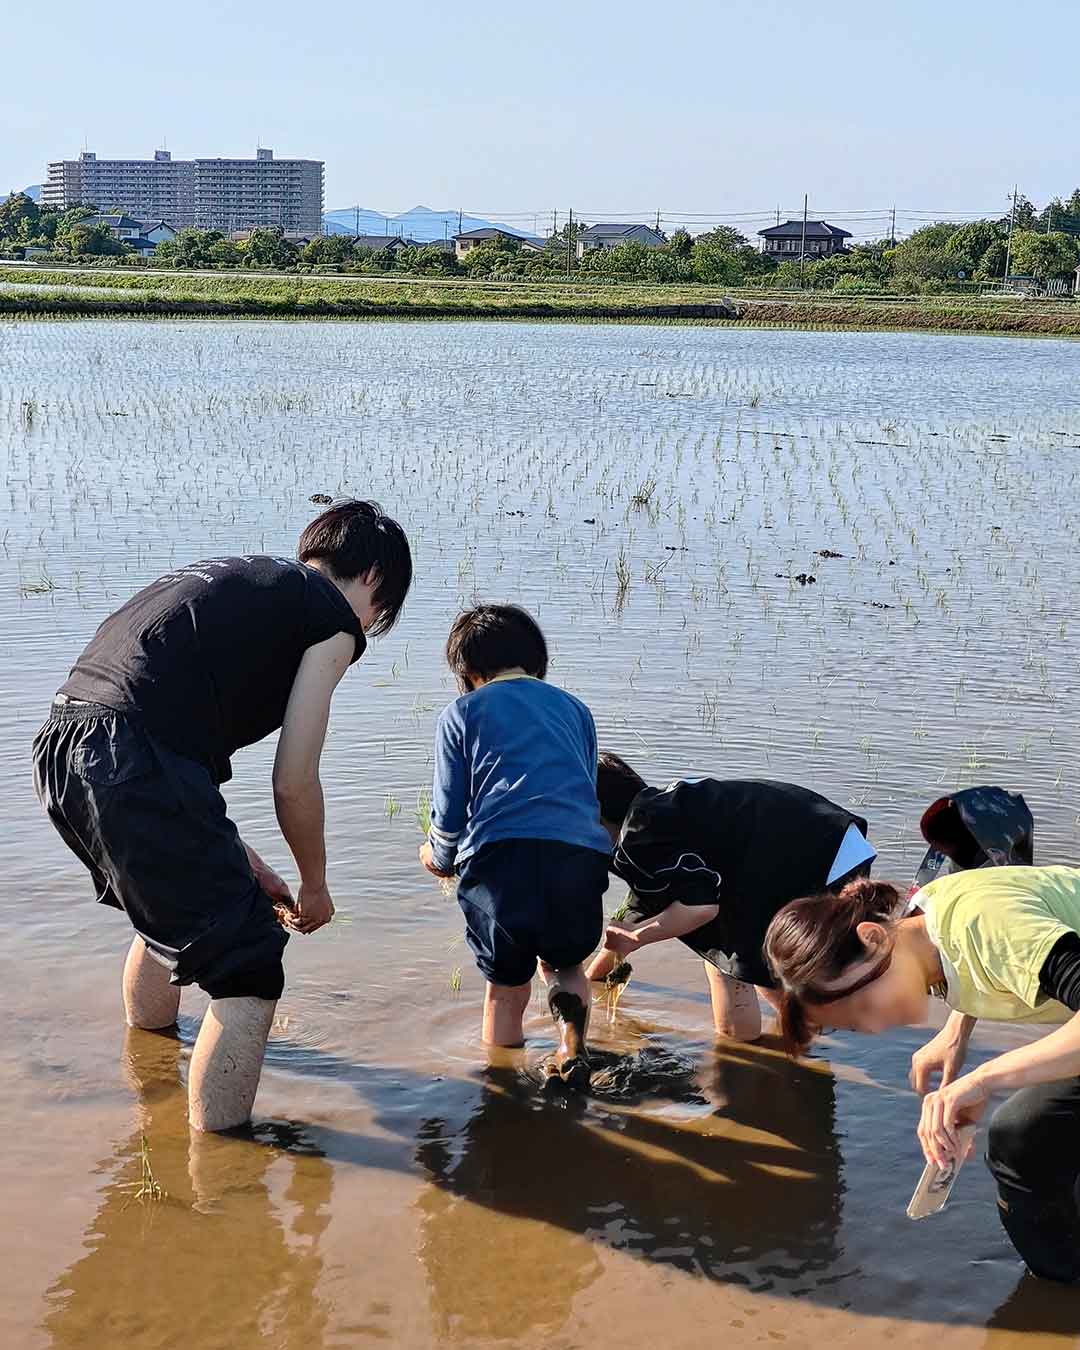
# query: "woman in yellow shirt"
998,942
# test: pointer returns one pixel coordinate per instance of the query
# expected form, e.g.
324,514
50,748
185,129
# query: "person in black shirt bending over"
710,861
209,658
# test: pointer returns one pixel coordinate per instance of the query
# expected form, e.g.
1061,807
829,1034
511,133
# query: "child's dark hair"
814,940
353,538
491,638
617,784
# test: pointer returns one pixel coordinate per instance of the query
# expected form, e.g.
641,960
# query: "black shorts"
525,899
151,828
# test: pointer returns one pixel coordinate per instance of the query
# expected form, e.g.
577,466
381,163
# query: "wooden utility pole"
802,246
569,239
892,228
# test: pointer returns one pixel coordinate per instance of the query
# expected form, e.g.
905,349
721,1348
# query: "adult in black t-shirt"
711,861
203,661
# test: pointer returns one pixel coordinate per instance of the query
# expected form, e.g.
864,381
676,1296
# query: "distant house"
394,242
157,231
611,235
784,243
119,225
465,243
141,235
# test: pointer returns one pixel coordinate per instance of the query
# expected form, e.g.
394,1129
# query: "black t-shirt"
205,657
747,845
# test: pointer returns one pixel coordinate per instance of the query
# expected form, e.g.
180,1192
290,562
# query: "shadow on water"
732,1173
229,1255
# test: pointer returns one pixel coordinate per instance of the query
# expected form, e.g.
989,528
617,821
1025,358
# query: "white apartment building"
218,194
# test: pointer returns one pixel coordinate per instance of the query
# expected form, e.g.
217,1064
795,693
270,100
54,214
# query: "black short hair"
617,784
491,638
354,537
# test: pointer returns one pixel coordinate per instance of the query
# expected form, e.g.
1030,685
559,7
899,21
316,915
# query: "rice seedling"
147,1188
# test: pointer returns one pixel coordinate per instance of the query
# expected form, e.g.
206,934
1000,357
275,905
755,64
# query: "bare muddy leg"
150,1001
227,1061
504,1007
569,998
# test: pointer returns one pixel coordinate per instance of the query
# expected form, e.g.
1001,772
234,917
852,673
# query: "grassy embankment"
179,295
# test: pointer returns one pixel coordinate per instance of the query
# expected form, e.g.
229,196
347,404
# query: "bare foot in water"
571,1061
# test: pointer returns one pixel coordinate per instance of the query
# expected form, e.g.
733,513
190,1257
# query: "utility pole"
892,229
356,229
1008,241
569,239
802,247
459,220
657,220
555,222
778,215
1049,217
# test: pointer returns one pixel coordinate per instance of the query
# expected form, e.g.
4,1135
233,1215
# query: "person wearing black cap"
711,861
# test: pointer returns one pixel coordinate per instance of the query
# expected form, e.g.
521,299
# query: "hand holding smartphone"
936,1183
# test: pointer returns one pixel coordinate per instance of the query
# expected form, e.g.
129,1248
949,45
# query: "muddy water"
401,1187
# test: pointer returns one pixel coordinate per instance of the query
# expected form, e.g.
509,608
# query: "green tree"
20,217
680,245
992,263
722,237
923,256
330,250
82,240
268,247
428,260
969,243
190,248
221,253
1044,256
717,265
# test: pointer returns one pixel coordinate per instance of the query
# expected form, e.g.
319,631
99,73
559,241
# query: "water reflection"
748,1193
231,1256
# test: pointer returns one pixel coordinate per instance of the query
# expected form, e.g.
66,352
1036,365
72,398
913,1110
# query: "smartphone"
936,1183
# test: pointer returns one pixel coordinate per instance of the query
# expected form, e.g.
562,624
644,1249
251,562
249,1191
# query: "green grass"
222,295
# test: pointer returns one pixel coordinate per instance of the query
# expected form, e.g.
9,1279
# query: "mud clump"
320,499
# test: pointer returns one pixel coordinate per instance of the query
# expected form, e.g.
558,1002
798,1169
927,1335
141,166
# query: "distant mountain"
33,192
421,223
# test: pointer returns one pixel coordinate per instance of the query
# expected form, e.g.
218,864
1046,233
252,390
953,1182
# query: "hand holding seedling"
426,859
620,938
944,1112
313,909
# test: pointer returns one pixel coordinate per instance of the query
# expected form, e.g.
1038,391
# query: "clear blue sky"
702,107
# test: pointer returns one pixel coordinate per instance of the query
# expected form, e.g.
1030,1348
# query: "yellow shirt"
993,928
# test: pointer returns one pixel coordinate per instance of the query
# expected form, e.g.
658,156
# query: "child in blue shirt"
514,812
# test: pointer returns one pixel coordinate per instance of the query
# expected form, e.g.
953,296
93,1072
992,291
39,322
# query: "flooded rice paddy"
671,503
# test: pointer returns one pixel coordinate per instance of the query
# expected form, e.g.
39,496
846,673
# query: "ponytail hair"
812,941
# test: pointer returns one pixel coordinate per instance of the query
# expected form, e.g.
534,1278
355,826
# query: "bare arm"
298,796
272,884
945,1054
674,922
1054,1057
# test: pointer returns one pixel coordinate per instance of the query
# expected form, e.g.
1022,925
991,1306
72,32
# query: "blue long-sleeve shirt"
514,759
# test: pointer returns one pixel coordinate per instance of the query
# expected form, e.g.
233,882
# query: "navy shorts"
151,828
525,899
